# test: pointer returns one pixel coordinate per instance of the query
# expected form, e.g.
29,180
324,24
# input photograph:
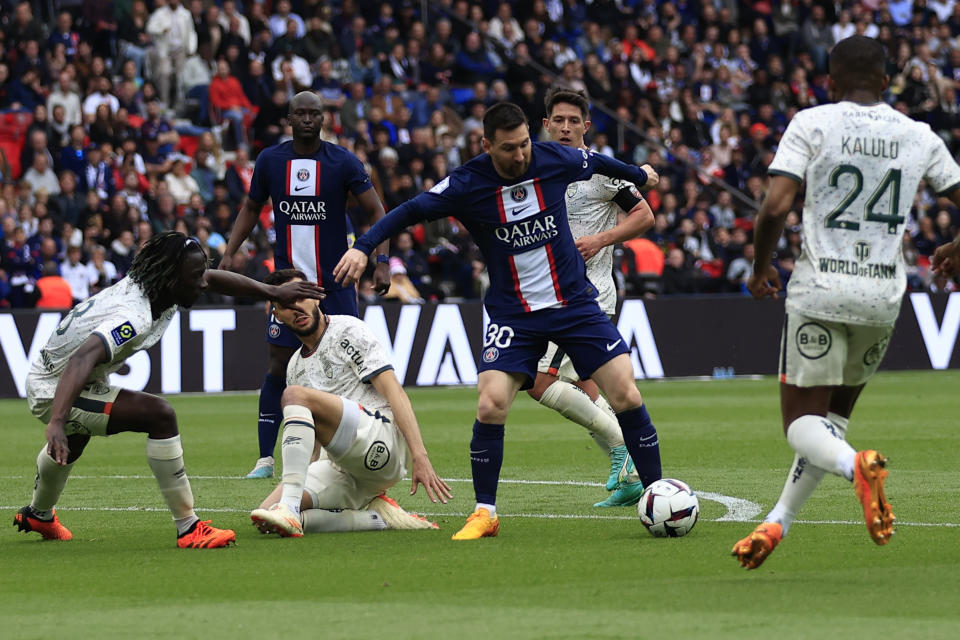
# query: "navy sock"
486,457
270,413
642,443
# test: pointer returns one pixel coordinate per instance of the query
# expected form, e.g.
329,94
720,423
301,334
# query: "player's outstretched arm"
235,284
421,471
946,259
769,226
637,221
653,178
74,377
242,227
370,202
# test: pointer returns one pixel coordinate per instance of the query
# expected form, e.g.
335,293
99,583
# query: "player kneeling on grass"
345,410
67,386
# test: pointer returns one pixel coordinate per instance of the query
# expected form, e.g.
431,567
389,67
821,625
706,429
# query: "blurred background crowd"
121,118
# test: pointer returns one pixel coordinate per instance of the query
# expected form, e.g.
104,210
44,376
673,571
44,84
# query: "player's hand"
652,176
381,278
946,259
57,443
421,472
289,292
226,262
589,246
350,267
763,285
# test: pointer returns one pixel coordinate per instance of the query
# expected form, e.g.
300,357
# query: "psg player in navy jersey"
308,181
512,200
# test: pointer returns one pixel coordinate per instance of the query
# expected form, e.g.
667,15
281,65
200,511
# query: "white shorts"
89,414
375,461
557,363
816,353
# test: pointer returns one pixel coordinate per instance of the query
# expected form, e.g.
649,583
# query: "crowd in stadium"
119,119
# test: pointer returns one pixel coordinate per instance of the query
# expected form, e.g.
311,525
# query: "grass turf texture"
559,569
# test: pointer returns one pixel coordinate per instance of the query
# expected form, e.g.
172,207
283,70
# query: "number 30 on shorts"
498,336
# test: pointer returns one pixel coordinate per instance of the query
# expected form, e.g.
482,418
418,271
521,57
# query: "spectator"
41,176
101,272
171,29
76,274
66,96
181,184
679,277
227,96
53,291
100,95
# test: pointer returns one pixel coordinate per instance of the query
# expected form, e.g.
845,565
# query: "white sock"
165,458
601,442
572,403
489,507
51,478
839,421
324,521
821,442
296,449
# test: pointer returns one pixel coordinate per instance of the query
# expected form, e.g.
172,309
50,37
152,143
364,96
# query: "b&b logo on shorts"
490,354
303,175
378,455
123,333
518,194
813,340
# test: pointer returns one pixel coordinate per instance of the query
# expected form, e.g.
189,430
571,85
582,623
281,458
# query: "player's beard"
310,328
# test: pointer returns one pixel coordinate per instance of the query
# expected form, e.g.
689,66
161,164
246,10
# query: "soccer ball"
668,508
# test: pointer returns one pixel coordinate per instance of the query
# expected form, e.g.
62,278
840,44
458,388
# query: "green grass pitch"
559,569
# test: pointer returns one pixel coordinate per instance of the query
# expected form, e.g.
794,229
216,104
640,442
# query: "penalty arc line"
738,509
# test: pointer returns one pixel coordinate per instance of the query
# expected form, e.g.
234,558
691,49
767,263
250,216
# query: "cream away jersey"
119,315
343,363
591,208
862,165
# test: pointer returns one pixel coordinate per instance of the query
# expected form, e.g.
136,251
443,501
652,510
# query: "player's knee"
492,409
76,443
163,420
624,398
294,394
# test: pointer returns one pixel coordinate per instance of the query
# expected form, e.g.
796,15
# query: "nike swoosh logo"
610,347
481,451
519,212
301,188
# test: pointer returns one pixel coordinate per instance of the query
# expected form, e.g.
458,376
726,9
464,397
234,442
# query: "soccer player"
343,396
68,389
308,181
511,199
862,162
593,209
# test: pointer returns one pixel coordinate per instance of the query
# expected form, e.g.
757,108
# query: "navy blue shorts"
516,343
341,302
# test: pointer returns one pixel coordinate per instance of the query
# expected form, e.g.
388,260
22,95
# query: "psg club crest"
518,194
490,354
303,175
274,330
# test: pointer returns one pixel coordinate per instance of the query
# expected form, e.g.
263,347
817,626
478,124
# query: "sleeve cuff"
945,191
785,174
373,374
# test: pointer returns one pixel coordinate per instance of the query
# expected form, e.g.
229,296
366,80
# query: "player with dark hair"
511,199
863,162
68,387
308,181
594,207
349,431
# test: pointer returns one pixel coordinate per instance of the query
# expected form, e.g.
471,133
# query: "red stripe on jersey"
290,241
316,249
286,184
553,272
536,186
317,193
503,213
516,281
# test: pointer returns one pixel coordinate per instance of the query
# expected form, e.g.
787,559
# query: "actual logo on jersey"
273,330
377,457
518,193
490,354
303,175
813,340
123,333
861,249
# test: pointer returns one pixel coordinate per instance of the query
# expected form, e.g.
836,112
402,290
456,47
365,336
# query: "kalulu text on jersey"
874,147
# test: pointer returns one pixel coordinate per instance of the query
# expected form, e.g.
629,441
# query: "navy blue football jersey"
309,196
519,224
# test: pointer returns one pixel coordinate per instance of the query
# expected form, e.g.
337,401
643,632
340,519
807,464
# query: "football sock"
822,443
486,457
51,478
296,449
802,479
324,521
269,423
492,508
572,403
640,436
165,458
